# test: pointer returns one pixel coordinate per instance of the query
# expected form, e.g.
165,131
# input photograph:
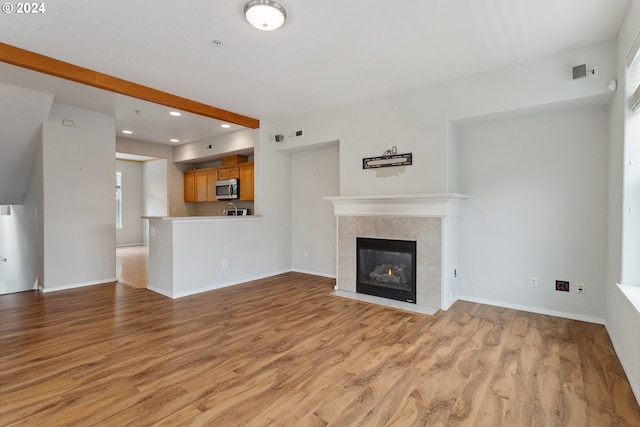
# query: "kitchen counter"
193,254
203,218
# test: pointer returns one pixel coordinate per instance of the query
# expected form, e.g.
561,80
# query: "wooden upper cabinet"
200,184
190,186
212,178
228,173
246,175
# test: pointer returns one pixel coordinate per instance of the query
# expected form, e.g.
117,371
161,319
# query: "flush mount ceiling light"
175,113
226,126
265,15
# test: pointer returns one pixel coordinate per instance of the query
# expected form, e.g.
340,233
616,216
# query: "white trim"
632,293
633,50
537,310
160,291
625,365
421,205
213,287
313,273
386,302
46,290
126,245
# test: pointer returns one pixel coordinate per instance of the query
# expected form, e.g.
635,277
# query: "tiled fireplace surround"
429,219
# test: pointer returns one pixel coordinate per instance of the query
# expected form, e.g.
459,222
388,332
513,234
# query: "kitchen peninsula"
189,255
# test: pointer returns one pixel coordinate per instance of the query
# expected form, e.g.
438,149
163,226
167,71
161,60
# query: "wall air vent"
295,134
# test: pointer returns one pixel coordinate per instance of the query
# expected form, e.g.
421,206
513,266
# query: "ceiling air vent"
295,134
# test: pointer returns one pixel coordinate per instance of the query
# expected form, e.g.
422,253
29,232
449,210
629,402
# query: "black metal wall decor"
387,160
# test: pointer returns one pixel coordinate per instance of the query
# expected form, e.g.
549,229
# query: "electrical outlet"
562,285
580,288
224,263
592,73
533,282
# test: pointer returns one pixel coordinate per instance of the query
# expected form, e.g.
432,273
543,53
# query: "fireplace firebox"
386,268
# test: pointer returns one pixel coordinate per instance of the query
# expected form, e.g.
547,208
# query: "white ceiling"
328,53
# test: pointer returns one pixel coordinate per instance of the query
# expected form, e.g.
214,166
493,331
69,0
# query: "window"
633,75
118,199
631,183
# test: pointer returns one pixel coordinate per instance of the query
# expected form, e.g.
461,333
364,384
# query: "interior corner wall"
79,203
537,190
314,174
132,203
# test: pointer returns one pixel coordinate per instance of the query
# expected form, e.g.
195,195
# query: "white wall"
418,122
314,175
132,201
241,141
622,318
79,203
154,192
537,190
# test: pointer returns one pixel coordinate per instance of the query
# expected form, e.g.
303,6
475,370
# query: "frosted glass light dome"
265,15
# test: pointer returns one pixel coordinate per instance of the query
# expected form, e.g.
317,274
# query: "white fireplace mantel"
433,204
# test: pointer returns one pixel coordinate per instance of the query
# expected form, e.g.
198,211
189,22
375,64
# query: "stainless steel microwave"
228,189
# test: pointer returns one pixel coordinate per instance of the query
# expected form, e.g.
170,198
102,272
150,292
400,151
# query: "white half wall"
79,204
314,174
537,206
192,255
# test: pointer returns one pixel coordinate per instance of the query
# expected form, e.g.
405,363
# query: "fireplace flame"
390,272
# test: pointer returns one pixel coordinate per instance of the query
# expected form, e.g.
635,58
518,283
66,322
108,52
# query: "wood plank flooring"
283,352
132,265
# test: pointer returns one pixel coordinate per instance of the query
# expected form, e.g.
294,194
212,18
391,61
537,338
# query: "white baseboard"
626,367
48,289
313,273
538,310
212,287
132,244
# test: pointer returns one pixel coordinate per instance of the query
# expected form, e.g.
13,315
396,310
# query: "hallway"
132,263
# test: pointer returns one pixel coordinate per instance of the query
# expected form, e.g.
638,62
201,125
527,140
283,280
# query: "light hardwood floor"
132,265
282,351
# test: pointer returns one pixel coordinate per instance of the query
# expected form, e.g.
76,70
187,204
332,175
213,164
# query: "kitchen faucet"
235,208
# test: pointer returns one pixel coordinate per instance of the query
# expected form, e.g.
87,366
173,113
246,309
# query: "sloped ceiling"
328,53
22,113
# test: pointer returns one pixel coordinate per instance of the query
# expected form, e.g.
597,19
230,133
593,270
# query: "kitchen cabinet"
200,184
190,186
246,176
228,173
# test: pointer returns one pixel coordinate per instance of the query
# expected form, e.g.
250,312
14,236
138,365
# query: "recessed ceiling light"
128,132
175,113
226,126
175,140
